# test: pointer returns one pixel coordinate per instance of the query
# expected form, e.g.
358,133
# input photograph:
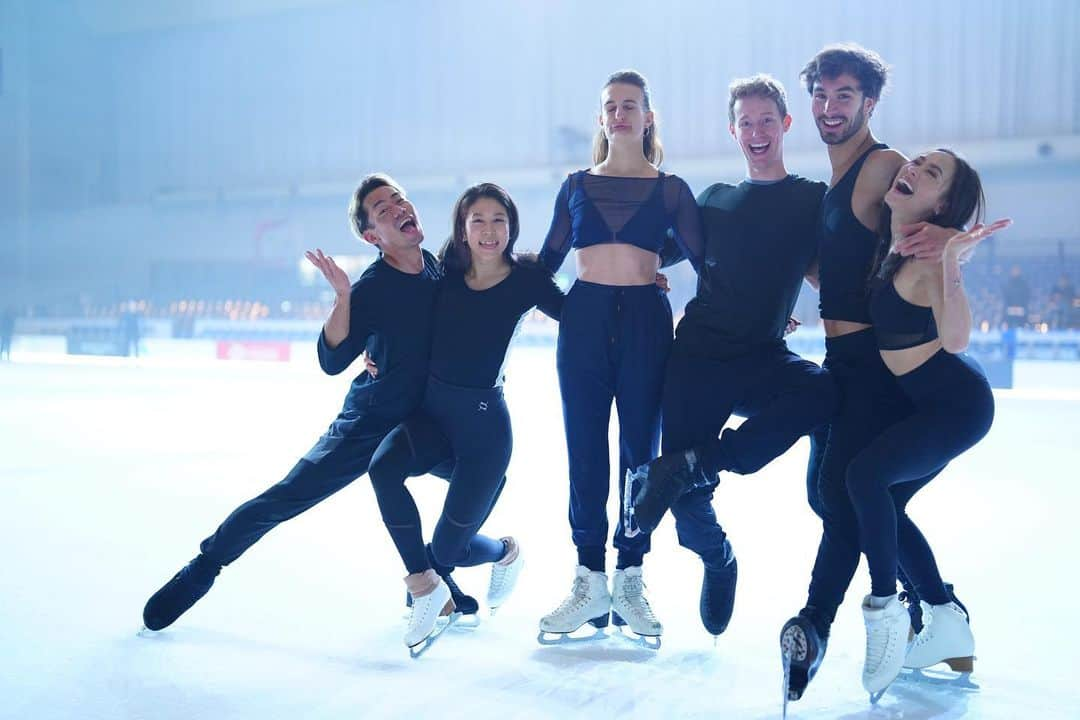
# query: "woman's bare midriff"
901,362
617,264
837,328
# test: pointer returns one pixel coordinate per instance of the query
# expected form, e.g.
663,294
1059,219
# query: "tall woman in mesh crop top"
922,322
614,337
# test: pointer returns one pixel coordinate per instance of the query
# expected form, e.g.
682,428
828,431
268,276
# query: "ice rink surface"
112,472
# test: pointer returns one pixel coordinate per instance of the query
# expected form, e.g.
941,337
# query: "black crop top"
594,209
899,324
846,252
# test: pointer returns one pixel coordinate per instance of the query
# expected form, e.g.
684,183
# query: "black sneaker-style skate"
718,589
802,648
178,595
650,490
465,604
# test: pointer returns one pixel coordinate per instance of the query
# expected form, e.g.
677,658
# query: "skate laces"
498,575
878,644
455,591
578,597
498,578
499,571
928,612
634,594
923,636
927,615
415,611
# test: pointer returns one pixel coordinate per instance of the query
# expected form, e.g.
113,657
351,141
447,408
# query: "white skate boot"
629,607
504,574
430,601
886,644
946,637
588,602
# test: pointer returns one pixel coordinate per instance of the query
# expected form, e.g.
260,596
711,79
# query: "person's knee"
862,479
451,539
695,525
443,554
700,538
832,495
388,469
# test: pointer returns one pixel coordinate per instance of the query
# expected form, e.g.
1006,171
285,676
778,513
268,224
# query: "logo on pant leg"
482,406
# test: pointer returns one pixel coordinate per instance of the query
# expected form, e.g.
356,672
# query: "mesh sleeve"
688,232
560,234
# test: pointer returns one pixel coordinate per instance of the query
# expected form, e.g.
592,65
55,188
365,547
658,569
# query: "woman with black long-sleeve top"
485,293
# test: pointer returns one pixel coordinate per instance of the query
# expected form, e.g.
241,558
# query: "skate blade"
421,647
552,638
962,665
931,676
785,658
649,642
147,632
467,622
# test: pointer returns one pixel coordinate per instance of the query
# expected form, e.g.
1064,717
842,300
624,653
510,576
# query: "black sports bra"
899,324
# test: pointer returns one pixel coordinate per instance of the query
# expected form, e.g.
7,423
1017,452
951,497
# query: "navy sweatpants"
781,395
870,401
613,344
953,410
470,427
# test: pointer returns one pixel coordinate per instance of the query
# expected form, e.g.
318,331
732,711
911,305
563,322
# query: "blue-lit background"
183,155
165,163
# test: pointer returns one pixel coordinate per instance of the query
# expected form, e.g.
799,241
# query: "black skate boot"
465,604
802,647
651,489
718,589
178,595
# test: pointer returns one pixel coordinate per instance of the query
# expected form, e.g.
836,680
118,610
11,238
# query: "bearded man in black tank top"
845,83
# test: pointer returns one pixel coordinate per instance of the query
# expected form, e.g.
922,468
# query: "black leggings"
954,409
473,427
783,398
871,401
